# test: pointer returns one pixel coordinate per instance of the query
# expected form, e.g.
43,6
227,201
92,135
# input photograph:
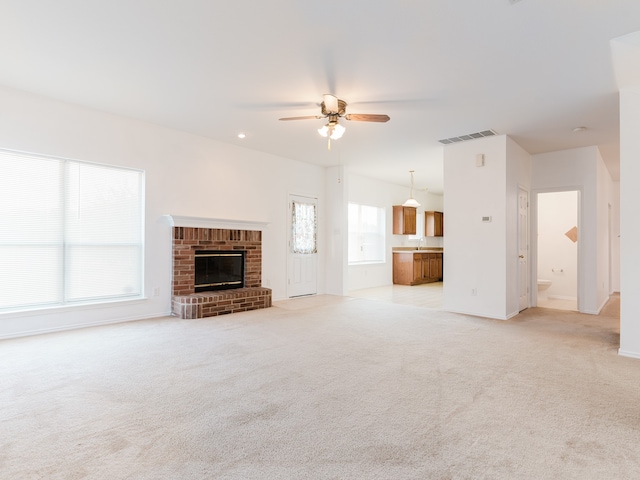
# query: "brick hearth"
188,304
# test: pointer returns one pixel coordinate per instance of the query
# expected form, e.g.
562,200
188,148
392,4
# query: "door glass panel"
304,227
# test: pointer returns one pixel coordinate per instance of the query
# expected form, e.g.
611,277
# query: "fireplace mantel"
221,223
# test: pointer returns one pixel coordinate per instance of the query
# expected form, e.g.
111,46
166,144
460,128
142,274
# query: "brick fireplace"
186,303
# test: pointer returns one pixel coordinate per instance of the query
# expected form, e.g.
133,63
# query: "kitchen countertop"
416,250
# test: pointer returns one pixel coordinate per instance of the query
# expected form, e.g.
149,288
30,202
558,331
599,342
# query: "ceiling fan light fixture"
332,130
338,131
324,131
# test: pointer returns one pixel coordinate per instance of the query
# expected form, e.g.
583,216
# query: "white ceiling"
532,69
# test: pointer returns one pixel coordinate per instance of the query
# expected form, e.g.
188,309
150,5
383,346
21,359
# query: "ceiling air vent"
470,136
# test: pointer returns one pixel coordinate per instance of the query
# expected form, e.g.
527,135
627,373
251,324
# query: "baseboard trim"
624,353
513,314
564,297
63,328
481,315
604,304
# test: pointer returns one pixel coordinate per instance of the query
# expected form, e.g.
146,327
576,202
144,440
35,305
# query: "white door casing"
523,249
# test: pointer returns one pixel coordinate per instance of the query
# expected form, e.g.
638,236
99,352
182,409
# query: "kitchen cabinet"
433,224
414,267
404,220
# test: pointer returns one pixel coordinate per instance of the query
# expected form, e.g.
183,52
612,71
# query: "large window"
366,234
70,232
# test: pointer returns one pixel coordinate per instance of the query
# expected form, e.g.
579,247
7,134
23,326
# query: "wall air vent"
470,136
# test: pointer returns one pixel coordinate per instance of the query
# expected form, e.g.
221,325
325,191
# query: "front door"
302,258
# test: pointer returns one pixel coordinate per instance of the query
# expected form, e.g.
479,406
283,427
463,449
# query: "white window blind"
366,234
70,232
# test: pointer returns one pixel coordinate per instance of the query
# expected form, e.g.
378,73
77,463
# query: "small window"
366,234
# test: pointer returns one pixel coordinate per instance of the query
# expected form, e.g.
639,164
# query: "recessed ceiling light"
242,135
579,129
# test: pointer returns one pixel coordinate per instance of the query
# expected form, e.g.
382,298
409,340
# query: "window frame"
381,233
62,271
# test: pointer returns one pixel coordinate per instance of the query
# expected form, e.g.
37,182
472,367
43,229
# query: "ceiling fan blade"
276,105
330,103
308,117
367,117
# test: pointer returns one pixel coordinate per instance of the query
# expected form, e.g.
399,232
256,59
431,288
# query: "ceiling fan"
333,109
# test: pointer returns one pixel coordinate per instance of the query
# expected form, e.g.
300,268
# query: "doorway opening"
557,250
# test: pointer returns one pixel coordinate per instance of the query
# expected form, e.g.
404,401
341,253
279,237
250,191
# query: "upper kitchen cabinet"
404,220
433,224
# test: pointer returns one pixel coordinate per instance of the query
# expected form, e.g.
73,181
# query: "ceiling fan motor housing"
342,107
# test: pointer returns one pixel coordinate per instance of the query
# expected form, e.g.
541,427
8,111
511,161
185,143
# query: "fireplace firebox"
219,269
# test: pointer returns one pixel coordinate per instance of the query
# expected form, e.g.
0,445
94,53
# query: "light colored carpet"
352,389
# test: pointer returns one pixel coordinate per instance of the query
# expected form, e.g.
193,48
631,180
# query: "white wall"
557,254
626,61
185,175
474,257
629,224
480,259
582,169
337,181
375,193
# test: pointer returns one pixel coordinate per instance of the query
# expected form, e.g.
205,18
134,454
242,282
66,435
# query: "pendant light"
412,202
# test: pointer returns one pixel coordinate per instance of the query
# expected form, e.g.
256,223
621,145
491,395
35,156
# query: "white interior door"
302,258
523,249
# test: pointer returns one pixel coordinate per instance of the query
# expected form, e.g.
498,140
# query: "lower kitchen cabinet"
414,268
